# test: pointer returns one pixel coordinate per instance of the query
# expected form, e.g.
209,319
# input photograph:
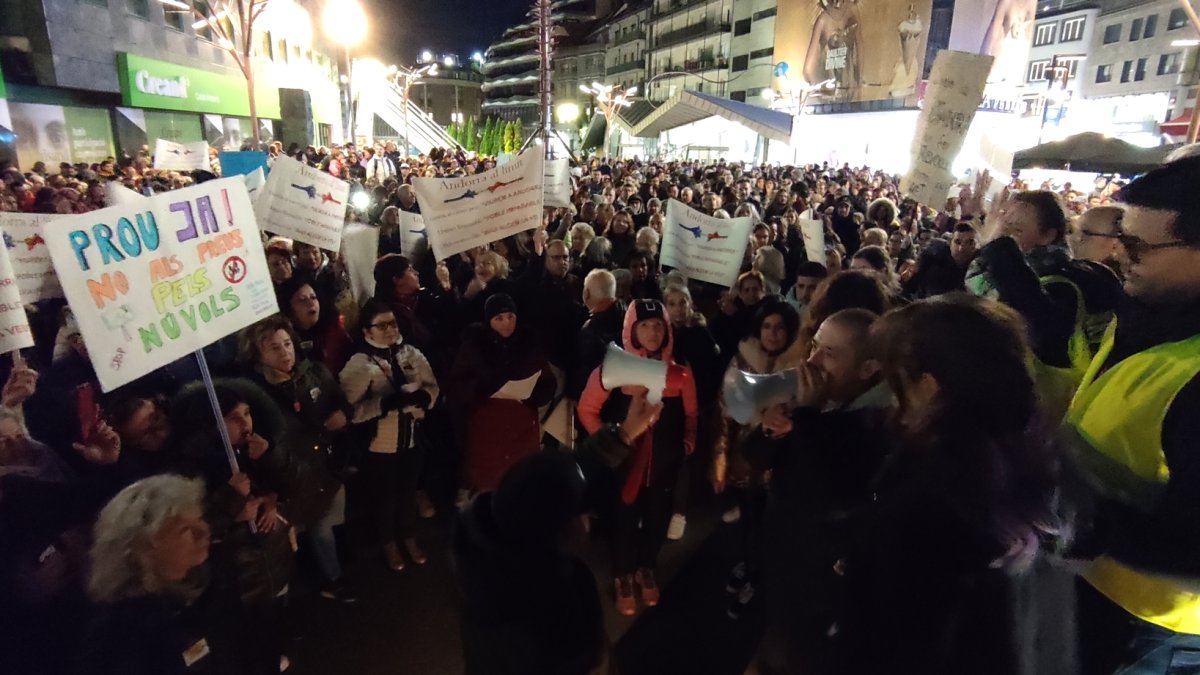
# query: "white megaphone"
747,395
622,369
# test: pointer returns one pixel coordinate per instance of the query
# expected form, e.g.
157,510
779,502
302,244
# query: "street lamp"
345,25
610,102
795,99
404,79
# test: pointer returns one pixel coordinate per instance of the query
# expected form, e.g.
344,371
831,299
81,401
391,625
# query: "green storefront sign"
3,89
149,83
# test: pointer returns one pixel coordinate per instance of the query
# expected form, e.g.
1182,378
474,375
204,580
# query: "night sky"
400,29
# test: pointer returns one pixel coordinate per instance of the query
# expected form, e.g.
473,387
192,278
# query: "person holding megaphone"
646,478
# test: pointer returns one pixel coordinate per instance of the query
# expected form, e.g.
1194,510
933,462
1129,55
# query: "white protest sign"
115,193
174,156
998,159
360,245
954,92
702,247
557,177
462,213
813,232
412,232
255,182
14,325
29,256
303,203
155,281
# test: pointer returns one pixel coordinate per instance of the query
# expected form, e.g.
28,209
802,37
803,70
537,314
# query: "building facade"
118,74
753,51
454,95
1058,64
688,47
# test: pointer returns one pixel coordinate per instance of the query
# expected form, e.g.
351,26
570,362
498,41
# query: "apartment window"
1112,34
1139,73
1177,19
138,8
1037,71
1044,33
1103,74
175,17
741,63
1168,64
738,95
1072,29
760,53
741,27
1126,69
766,13
281,52
1135,30
1072,69
1151,26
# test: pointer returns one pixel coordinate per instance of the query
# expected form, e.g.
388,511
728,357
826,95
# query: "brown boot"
626,605
391,553
415,553
648,585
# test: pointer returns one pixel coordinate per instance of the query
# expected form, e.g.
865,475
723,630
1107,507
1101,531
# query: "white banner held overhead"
303,203
412,232
557,177
14,325
29,256
462,213
255,182
954,93
155,281
702,247
360,245
174,156
115,193
813,232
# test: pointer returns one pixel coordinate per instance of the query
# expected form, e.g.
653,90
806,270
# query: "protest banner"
157,280
29,256
174,156
813,232
255,182
412,232
462,213
558,188
702,247
14,325
115,193
303,203
997,158
243,163
952,96
360,245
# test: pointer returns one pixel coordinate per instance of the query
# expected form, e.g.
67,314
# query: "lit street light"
610,102
345,25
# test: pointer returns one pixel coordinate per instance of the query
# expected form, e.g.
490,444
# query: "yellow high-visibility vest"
1118,418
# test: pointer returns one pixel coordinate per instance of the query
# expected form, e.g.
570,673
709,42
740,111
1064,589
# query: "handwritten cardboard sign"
14,325
29,256
702,247
303,203
462,213
153,281
557,177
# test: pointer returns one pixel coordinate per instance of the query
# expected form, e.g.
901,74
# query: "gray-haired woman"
157,614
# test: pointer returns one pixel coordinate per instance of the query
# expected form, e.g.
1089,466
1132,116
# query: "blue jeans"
320,536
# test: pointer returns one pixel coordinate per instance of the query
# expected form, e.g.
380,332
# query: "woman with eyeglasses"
390,386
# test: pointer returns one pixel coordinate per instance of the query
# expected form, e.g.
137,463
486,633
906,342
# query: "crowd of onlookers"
885,503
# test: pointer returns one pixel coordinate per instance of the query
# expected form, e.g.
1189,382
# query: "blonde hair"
498,263
126,525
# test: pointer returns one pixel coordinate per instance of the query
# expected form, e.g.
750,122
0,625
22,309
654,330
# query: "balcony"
626,38
677,6
638,64
696,30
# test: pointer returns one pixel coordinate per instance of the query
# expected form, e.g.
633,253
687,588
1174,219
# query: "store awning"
689,106
1179,125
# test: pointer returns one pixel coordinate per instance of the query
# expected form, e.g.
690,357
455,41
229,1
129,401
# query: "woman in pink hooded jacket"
646,478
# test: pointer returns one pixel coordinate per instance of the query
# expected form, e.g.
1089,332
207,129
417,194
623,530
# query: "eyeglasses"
386,325
1136,248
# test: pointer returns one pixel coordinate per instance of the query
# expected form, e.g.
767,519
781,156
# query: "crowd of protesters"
988,398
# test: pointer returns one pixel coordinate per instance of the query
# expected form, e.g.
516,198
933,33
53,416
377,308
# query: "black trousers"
392,486
640,528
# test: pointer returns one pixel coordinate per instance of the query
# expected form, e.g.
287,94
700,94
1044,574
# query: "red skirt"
502,432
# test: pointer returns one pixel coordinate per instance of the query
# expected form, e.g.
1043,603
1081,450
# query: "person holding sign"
646,480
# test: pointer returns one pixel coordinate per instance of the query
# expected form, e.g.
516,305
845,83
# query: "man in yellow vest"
1133,432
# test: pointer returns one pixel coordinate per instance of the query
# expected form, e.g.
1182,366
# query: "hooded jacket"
658,453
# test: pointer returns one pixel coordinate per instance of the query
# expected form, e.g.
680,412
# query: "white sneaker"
732,515
677,526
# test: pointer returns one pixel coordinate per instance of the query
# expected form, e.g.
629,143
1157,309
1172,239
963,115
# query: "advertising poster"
954,93
303,203
14,325
29,256
54,134
871,50
139,130
462,213
702,247
1002,29
181,156
154,281
558,185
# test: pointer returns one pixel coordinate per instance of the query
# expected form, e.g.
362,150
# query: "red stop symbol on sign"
234,269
